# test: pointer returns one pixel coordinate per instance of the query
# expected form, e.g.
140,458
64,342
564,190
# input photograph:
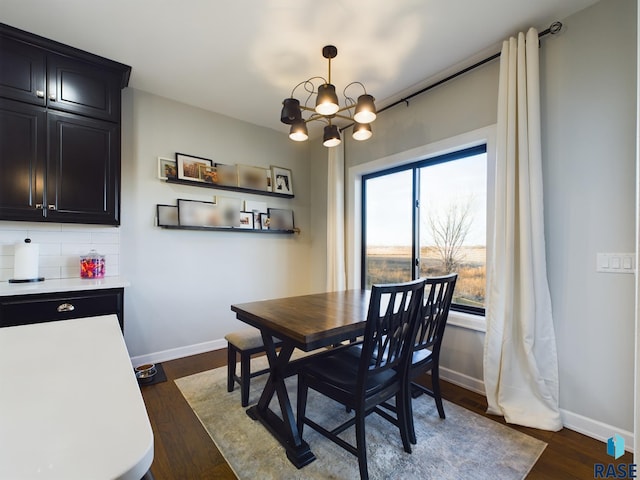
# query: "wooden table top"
309,321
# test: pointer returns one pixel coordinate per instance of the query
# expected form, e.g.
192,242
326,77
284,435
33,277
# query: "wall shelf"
229,229
226,187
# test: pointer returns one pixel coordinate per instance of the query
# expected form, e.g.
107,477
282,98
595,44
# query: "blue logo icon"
615,446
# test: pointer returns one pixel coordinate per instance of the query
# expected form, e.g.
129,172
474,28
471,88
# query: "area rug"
463,446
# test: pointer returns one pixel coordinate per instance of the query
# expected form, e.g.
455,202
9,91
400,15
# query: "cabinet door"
22,72
83,170
22,152
80,87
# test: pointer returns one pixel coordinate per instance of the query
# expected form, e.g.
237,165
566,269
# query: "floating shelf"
228,229
227,187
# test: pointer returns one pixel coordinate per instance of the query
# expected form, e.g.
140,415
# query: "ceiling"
241,58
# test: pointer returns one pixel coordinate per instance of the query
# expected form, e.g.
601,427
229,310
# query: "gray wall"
183,282
588,117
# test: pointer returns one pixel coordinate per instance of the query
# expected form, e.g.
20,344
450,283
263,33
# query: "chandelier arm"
308,81
344,117
344,91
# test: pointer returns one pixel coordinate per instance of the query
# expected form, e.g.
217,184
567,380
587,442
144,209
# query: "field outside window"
428,219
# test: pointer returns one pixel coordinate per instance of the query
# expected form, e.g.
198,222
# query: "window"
428,218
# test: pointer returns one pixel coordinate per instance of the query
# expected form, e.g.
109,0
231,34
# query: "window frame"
416,167
353,199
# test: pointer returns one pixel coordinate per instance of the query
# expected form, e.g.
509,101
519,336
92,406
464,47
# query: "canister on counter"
92,265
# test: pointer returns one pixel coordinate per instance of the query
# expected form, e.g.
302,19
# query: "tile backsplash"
61,246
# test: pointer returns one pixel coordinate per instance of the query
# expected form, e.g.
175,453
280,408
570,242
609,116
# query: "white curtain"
520,359
336,277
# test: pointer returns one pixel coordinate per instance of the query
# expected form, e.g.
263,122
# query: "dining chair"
246,343
425,356
363,376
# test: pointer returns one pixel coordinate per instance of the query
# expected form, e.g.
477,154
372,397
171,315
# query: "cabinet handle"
52,97
39,94
39,206
52,207
66,307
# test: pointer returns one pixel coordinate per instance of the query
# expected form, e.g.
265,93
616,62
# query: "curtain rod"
553,29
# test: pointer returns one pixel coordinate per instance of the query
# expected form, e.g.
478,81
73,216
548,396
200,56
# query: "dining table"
308,323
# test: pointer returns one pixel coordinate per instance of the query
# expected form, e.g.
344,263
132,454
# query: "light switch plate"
616,263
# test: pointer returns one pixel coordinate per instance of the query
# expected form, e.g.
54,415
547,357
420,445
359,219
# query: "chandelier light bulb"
331,136
365,109
327,100
362,131
298,132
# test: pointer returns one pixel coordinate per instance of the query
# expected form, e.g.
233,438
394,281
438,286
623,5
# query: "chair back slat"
435,311
393,311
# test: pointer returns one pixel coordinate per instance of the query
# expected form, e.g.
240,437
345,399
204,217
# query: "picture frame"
167,215
264,221
167,168
246,220
257,208
252,178
230,208
267,172
197,213
280,219
208,174
281,180
227,175
188,166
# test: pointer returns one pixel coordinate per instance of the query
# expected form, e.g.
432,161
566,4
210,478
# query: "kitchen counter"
70,404
57,285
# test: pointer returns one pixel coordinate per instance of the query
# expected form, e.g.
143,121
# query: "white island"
70,405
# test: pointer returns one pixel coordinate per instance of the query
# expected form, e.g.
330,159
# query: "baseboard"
578,423
462,380
595,429
180,352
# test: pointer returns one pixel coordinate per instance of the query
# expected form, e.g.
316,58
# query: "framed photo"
281,180
257,208
195,213
264,221
246,220
280,219
267,172
230,208
167,215
167,168
254,178
227,175
208,174
189,166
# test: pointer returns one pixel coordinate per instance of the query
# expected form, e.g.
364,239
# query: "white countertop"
56,285
70,405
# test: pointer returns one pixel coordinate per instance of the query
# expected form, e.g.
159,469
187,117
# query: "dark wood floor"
184,450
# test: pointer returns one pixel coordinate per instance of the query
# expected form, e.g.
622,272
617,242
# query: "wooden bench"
246,343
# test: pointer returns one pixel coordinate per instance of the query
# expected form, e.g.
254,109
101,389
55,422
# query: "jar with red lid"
92,265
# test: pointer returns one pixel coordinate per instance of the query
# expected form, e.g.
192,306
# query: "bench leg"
245,376
231,366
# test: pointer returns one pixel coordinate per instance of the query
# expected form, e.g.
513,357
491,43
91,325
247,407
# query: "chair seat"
247,339
341,368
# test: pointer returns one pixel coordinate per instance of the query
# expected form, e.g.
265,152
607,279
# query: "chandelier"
327,108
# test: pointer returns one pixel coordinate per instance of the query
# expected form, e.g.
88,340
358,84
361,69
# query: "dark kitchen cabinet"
23,147
59,132
83,173
47,307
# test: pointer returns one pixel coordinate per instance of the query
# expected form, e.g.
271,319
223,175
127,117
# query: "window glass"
453,218
436,208
388,228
